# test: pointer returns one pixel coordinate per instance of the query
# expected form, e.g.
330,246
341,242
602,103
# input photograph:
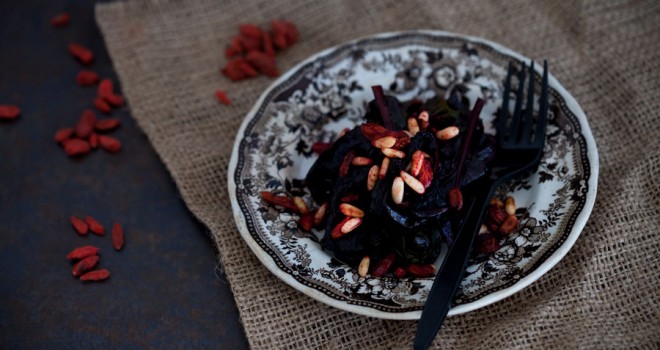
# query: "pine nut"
397,190
384,142
372,177
510,206
393,153
351,225
424,116
412,182
351,210
363,268
300,203
483,229
413,126
383,168
361,161
447,133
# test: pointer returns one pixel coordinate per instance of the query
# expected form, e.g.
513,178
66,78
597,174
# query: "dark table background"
166,290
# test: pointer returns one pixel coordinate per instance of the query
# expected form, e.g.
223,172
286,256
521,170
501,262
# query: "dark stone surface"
165,290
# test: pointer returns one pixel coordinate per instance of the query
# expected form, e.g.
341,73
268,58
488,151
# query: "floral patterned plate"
328,92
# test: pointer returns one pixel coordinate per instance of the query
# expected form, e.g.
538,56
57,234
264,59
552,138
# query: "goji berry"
109,144
81,53
82,252
84,265
247,69
60,20
106,124
79,225
384,265
236,44
85,125
283,201
63,134
400,272
101,105
117,236
9,111
291,33
87,78
114,99
230,52
264,63
320,147
105,88
96,275
93,140
76,147
250,43
279,40
421,270
267,44
95,226
232,71
250,30
222,97
306,222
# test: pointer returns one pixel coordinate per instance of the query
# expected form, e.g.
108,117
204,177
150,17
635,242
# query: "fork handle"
451,273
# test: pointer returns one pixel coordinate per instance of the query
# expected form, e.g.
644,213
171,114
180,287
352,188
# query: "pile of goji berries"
87,257
253,51
89,132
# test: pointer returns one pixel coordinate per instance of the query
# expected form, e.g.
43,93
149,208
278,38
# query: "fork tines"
524,115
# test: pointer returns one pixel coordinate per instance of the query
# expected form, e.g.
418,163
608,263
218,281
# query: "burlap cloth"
604,294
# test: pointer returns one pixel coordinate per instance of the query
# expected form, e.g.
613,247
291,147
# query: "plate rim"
541,269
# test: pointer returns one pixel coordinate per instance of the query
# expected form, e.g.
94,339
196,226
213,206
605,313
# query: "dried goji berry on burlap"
106,124
60,20
85,125
87,78
117,236
96,275
95,226
79,225
109,144
76,147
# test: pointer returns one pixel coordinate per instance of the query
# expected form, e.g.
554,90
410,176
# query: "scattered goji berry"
87,78
96,275
247,69
105,88
279,40
82,252
117,236
250,43
93,140
264,63
101,105
9,111
106,124
60,20
222,97
81,53
233,72
84,265
250,30
79,225
267,43
114,99
76,147
63,134
85,125
109,144
95,226
290,32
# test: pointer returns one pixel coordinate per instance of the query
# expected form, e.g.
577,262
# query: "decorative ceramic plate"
328,92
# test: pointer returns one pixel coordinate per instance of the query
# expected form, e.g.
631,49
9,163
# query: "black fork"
521,138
